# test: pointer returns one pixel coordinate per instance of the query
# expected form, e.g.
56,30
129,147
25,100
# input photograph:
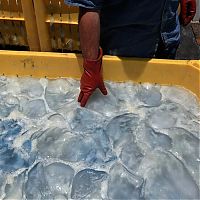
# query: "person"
130,28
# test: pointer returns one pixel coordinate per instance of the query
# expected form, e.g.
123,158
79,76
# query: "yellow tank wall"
184,73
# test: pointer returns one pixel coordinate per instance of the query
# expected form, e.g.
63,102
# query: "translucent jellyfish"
121,129
186,146
149,95
9,131
166,177
7,105
105,151
36,187
13,86
183,97
34,108
149,133
57,120
171,114
131,155
50,142
2,179
150,139
87,184
31,87
124,185
107,105
162,119
59,94
11,160
2,84
79,149
59,177
27,146
87,149
4,110
15,190
124,93
11,101
86,121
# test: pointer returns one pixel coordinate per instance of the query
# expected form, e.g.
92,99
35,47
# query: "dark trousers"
164,52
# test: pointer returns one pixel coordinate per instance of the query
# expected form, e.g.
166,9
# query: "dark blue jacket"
134,28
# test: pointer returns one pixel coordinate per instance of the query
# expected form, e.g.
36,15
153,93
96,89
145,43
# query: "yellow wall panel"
184,73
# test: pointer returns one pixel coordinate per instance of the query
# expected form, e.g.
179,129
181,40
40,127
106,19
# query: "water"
139,142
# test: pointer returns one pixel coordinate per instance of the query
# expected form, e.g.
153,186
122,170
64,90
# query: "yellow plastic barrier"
184,73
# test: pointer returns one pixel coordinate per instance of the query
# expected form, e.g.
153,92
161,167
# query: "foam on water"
138,142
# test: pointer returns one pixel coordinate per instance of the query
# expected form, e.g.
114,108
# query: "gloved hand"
91,79
188,11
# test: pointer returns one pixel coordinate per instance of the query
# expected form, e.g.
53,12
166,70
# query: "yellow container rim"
185,73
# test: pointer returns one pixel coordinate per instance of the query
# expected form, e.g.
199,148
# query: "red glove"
91,79
188,10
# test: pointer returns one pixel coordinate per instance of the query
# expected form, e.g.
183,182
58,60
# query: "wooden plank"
12,30
43,28
19,5
2,39
66,18
53,6
75,35
62,23
18,33
22,34
7,17
10,8
5,30
31,26
58,36
68,38
4,7
13,33
13,8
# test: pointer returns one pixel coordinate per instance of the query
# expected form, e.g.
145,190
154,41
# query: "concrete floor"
188,48
197,16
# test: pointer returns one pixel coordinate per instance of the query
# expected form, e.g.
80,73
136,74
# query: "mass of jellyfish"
141,141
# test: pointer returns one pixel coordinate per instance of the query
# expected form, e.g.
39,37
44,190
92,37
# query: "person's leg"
89,31
164,52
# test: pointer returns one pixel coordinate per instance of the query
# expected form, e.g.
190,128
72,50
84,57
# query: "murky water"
139,142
